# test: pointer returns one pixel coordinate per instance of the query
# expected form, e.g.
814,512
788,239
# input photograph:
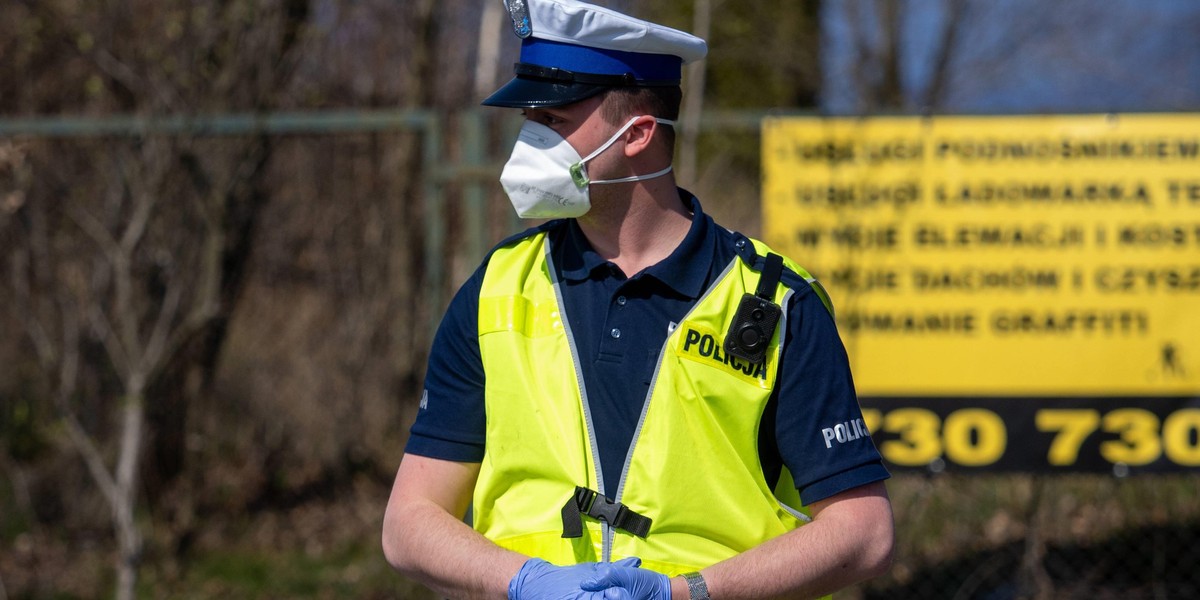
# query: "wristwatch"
697,590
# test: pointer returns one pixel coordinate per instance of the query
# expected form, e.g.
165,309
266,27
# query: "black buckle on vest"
591,503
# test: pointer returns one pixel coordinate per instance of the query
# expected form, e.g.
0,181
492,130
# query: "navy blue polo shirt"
620,323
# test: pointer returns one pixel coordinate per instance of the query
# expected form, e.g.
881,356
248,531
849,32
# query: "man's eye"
541,118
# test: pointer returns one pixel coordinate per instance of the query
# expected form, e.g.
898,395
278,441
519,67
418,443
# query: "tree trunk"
693,101
124,508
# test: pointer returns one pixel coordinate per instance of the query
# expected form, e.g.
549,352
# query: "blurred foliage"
760,54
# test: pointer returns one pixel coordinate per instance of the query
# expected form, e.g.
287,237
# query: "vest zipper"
606,530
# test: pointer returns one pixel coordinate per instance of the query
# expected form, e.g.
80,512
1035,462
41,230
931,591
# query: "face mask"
546,179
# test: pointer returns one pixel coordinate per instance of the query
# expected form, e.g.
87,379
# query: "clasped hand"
621,580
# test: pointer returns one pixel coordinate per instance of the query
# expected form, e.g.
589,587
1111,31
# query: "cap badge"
519,12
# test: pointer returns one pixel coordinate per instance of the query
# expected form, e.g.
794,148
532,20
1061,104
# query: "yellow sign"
1054,256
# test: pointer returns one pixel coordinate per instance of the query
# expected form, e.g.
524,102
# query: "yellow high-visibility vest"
694,468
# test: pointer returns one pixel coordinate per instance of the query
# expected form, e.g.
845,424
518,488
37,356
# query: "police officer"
635,401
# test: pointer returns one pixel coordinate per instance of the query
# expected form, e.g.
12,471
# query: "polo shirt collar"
685,270
574,255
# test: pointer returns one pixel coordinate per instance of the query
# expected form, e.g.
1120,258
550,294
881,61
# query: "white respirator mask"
546,179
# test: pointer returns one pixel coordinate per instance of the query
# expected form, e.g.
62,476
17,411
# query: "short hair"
621,104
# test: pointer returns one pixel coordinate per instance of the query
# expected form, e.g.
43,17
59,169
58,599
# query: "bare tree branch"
889,91
694,99
864,56
95,230
21,308
122,362
487,57
68,374
947,48
161,331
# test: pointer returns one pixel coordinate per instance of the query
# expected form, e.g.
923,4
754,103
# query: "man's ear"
640,136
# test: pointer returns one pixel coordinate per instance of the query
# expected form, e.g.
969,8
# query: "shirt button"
616,333
621,300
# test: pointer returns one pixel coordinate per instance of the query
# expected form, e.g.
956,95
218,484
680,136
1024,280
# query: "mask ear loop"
579,175
636,177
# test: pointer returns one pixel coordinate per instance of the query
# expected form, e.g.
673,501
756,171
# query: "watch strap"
697,589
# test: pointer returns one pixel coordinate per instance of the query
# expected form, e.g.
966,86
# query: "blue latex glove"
540,580
642,584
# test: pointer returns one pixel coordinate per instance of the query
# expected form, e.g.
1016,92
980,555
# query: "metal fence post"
474,141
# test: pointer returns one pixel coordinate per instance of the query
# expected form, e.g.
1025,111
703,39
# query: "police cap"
571,51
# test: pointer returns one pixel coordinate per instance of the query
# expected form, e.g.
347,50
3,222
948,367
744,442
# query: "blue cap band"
601,61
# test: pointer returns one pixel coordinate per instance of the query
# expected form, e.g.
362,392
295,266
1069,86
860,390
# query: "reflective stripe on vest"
693,467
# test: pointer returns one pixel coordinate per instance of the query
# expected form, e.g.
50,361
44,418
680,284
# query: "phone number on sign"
1010,436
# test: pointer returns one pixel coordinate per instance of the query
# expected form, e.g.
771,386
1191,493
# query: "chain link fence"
998,537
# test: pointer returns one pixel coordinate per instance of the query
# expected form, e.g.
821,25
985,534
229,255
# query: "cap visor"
535,93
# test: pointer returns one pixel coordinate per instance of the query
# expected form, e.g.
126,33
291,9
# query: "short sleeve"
451,422
819,429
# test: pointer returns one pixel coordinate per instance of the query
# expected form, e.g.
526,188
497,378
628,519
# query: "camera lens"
749,337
